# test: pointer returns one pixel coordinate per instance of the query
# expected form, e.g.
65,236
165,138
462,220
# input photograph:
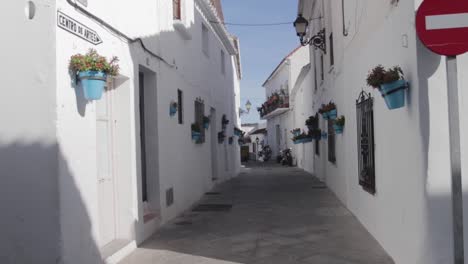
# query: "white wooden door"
105,177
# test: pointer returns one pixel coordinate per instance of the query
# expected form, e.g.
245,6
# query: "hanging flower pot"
196,136
339,124
92,70
93,83
296,132
394,93
338,129
391,84
196,133
325,115
206,122
173,108
332,114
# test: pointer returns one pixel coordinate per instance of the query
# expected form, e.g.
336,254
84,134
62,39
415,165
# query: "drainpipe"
345,32
118,32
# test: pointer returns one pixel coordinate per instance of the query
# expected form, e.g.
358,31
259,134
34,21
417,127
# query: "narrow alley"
278,215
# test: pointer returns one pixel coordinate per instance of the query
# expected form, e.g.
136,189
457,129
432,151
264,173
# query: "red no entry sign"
442,25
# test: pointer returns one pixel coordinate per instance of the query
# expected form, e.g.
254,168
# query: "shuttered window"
177,9
180,105
365,140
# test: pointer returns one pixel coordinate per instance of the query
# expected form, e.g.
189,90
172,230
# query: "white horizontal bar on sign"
447,21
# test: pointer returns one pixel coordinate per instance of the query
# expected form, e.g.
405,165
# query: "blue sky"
262,48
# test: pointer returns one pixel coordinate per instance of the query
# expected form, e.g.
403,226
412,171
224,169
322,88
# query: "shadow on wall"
30,206
438,227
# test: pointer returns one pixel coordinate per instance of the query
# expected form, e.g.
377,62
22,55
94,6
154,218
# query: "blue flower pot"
338,129
325,115
297,133
206,125
196,136
332,114
93,83
172,111
394,93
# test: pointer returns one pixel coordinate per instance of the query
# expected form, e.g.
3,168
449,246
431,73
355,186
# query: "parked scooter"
265,153
285,157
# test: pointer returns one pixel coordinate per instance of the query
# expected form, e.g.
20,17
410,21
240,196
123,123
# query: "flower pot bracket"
402,87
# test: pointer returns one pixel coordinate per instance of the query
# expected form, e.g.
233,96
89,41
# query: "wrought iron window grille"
365,141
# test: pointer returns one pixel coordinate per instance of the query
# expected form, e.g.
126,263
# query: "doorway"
214,142
149,144
105,143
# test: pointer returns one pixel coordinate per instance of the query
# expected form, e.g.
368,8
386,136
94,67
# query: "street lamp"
318,41
248,106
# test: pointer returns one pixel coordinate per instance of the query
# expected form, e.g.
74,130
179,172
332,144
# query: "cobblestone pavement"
279,216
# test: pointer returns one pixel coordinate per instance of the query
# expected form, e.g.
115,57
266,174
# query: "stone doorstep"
117,250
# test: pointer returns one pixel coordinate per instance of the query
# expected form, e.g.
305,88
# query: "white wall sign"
76,28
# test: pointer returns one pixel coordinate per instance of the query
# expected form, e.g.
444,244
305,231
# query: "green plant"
301,136
311,120
379,75
206,119
92,61
195,127
340,121
327,107
296,130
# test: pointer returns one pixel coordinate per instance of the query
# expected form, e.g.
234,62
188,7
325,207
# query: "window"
205,40
199,115
331,141
177,9
365,133
315,75
223,62
180,105
332,55
322,75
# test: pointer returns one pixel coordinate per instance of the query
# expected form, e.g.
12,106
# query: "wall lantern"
318,41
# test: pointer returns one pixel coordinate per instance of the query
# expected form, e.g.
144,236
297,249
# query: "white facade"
252,132
284,77
410,213
82,186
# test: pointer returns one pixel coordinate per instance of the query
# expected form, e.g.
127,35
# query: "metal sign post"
455,159
442,26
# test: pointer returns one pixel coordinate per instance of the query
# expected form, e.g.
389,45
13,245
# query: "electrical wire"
260,24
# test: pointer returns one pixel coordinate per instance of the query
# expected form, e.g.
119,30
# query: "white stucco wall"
410,214
28,143
284,77
49,150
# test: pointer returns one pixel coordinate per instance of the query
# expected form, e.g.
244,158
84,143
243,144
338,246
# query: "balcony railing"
275,105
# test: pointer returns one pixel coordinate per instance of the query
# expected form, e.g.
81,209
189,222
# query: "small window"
199,116
322,69
332,55
180,105
177,9
205,40
223,62
331,142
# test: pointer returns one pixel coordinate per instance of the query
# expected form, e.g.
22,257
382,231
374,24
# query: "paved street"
279,215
